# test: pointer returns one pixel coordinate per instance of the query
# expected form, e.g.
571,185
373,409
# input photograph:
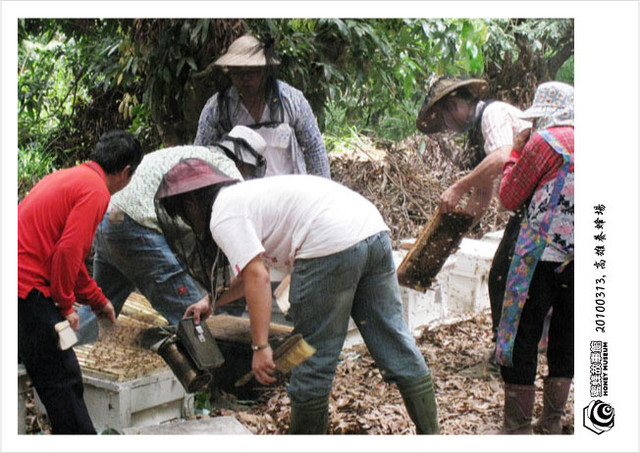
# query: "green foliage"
371,73
565,73
48,94
365,75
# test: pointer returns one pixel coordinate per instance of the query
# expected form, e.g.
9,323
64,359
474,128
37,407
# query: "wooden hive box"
437,240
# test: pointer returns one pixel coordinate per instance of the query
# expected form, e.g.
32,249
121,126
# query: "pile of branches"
405,180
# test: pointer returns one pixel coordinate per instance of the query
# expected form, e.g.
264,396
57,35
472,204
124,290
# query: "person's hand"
107,312
74,320
450,198
201,310
263,366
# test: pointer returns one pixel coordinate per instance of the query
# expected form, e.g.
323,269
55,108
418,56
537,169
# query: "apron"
282,149
530,244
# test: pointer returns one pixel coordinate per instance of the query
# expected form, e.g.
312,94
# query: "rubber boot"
556,392
518,408
311,417
421,404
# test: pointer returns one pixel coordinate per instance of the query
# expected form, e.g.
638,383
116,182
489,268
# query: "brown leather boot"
518,408
556,392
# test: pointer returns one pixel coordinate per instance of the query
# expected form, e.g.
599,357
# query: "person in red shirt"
56,224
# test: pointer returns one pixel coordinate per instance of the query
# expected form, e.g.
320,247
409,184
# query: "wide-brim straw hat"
428,120
246,51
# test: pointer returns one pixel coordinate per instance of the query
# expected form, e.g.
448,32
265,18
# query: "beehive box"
155,398
124,384
127,386
23,389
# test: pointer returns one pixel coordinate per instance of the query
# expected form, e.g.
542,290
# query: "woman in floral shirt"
541,272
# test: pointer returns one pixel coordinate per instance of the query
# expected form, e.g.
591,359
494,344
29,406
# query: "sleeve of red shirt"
69,276
522,174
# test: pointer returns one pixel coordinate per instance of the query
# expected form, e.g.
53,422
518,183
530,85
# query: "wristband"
259,347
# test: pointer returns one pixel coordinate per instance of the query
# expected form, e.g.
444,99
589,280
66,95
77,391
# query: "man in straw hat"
131,252
457,105
541,273
338,249
274,109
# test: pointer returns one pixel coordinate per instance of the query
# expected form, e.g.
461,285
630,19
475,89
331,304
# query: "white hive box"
23,377
465,275
125,385
149,400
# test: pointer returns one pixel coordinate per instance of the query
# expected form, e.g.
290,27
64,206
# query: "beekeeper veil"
183,204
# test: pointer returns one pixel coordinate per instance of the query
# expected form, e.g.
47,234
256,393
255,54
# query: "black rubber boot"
311,417
518,408
421,404
556,392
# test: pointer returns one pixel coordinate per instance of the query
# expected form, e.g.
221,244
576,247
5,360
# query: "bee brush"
288,355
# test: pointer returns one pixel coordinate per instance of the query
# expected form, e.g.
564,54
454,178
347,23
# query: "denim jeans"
129,256
361,283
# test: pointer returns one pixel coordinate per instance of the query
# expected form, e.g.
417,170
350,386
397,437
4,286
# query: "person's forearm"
235,292
479,201
257,287
488,170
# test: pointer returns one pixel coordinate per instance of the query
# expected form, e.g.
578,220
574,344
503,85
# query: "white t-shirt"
289,217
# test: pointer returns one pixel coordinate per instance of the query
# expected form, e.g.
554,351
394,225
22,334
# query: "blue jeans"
361,283
129,256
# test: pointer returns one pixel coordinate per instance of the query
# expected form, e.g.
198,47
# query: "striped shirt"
532,173
500,123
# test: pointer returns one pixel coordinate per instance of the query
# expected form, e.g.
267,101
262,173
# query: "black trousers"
548,290
55,374
500,268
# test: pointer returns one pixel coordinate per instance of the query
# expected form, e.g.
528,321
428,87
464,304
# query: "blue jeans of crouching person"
129,256
358,283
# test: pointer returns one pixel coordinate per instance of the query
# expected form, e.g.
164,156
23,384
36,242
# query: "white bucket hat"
552,106
246,146
246,51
